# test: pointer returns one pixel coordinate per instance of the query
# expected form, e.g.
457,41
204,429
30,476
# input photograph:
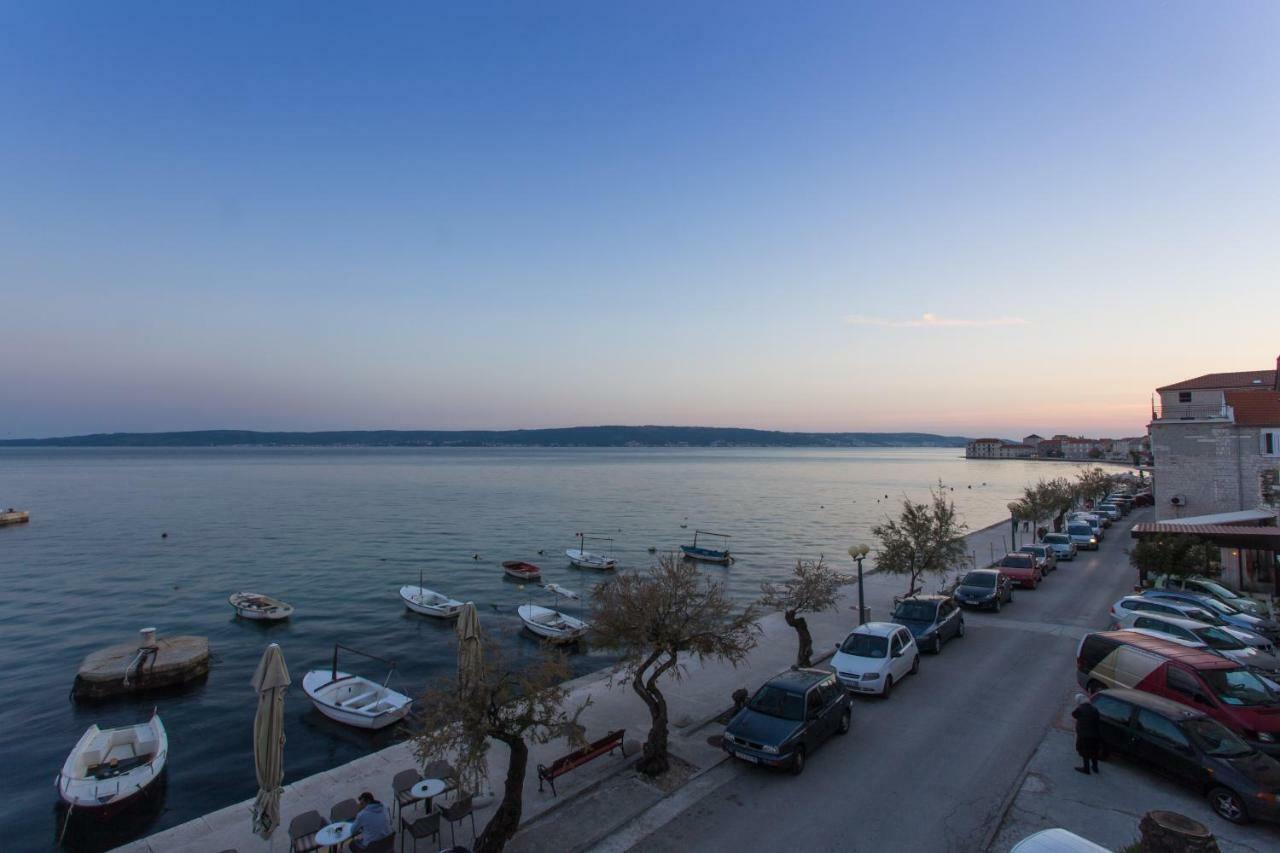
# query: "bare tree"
924,539
514,702
812,588
652,619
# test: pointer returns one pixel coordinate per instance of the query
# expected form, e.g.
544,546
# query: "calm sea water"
336,532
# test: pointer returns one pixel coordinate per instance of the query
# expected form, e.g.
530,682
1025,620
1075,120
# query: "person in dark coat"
1088,734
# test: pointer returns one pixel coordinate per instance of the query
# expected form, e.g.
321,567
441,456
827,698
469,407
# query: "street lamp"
1013,525
858,553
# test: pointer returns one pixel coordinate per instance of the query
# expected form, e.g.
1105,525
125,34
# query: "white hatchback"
874,657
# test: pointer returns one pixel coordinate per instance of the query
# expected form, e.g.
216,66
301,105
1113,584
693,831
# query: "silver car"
1061,544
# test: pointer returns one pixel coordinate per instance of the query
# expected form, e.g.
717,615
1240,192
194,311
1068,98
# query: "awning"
1244,516
1223,535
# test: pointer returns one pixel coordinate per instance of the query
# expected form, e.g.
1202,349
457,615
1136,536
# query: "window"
1112,709
1270,442
830,692
1165,628
1160,729
1181,682
1184,396
813,701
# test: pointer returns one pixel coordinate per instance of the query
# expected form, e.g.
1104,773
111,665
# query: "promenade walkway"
599,797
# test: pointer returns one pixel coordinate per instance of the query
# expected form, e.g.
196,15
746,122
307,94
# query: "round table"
428,788
334,834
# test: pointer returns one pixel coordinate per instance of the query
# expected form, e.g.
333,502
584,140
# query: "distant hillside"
597,436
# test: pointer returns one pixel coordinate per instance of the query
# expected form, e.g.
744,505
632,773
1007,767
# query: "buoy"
164,535
539,552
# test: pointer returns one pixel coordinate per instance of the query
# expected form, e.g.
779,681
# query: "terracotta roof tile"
1255,408
1264,379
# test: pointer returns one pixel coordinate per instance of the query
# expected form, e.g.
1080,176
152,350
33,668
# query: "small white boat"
584,559
419,599
352,699
551,624
110,766
252,605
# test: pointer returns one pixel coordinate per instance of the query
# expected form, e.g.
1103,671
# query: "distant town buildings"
1077,448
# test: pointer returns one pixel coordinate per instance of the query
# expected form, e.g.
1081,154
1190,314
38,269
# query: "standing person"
371,824
1088,734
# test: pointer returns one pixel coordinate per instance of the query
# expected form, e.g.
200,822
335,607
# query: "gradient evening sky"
345,216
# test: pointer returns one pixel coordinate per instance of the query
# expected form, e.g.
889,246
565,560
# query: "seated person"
372,822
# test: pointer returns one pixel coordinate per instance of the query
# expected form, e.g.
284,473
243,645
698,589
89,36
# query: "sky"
972,219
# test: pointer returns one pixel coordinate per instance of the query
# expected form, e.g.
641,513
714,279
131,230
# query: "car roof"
1180,621
799,680
1194,658
877,629
983,571
931,598
1152,702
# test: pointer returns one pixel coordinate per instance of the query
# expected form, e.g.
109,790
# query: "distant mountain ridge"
594,436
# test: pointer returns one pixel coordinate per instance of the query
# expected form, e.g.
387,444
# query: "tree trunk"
804,655
653,756
506,820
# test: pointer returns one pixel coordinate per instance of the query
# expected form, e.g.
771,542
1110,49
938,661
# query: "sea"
126,538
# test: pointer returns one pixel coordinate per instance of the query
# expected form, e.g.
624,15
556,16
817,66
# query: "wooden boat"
352,699
522,571
551,624
108,767
252,605
14,516
584,559
708,555
428,602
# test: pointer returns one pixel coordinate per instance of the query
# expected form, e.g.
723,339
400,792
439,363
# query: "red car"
1022,569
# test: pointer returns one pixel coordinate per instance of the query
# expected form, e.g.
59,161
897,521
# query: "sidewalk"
599,797
1106,808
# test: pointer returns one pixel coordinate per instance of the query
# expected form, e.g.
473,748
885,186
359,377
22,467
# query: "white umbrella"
270,680
470,657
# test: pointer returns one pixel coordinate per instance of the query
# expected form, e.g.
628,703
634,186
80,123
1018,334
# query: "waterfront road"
930,768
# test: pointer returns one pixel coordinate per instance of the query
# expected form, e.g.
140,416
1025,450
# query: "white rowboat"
419,599
252,605
354,700
551,624
109,766
587,560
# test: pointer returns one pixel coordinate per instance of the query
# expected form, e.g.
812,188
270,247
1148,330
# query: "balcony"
1193,412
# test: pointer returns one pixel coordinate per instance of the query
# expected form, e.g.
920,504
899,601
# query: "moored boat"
252,605
521,570
428,602
109,767
14,516
708,555
551,624
353,699
584,559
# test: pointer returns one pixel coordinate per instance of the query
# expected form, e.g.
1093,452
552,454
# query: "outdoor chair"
423,827
443,771
345,810
456,811
382,845
302,831
400,784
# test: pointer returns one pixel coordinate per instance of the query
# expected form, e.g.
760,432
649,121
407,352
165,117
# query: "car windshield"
1055,539
984,579
1217,605
1080,529
865,646
1238,687
1216,638
1216,739
1218,589
777,702
1032,549
914,611
1016,561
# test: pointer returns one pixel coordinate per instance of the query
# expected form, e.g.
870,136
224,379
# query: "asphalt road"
930,768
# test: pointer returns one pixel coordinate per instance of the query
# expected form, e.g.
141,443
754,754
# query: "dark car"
1185,744
788,718
931,619
983,588
1022,569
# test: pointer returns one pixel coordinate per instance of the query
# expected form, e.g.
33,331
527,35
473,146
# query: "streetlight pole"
859,553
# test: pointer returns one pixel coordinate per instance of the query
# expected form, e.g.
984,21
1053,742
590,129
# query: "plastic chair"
302,831
423,827
345,810
400,784
456,811
443,771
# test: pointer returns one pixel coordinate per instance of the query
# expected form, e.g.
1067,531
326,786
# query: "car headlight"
767,748
870,676
1266,737
1093,540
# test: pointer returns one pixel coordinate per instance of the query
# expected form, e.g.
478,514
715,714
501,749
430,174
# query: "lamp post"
858,553
1013,526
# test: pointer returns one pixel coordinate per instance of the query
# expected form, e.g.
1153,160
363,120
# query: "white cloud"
931,321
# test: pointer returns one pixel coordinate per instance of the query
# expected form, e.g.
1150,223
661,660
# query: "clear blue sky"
312,216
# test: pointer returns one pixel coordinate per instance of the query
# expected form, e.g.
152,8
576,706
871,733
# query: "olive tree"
813,587
655,620
516,703
926,538
1176,555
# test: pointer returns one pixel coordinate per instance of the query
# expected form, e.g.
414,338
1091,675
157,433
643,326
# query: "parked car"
1220,687
1097,522
1045,558
1063,547
788,718
984,588
1204,636
1189,745
1111,512
1022,569
1207,586
931,619
1187,610
1056,840
1228,614
1083,535
874,657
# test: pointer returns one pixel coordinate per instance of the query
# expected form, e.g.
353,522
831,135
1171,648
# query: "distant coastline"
594,436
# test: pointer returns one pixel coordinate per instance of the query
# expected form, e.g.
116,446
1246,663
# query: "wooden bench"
577,758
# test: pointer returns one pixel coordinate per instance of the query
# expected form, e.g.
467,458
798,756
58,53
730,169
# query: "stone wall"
1215,465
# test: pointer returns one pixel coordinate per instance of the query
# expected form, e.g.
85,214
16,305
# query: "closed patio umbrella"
270,680
470,656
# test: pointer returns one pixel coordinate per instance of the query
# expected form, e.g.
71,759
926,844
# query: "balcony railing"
1193,412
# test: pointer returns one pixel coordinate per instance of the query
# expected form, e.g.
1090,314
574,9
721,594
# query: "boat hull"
354,701
706,555
261,608
588,560
103,796
522,571
429,603
551,625
15,517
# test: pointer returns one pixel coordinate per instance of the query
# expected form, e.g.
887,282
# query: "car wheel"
937,645
915,665
960,629
846,720
888,687
1228,804
797,761
997,607
1035,584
